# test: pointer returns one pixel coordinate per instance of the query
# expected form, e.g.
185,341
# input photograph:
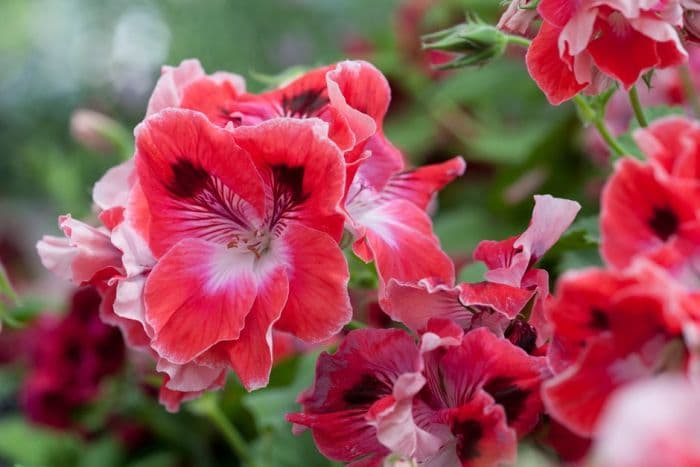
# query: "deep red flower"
580,44
456,401
70,359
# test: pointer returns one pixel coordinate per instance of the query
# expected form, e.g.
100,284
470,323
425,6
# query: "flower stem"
637,107
518,40
208,406
354,324
591,115
689,90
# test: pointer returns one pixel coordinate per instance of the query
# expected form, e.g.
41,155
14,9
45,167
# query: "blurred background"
59,58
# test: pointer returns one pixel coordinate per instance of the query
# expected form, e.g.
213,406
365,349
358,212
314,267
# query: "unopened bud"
473,42
96,131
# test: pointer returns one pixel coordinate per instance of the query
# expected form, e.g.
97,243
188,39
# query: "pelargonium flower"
511,282
249,220
609,329
70,358
581,44
650,423
384,202
455,400
646,211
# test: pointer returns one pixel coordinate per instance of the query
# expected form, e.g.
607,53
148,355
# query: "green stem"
689,90
354,324
518,40
589,114
208,405
637,107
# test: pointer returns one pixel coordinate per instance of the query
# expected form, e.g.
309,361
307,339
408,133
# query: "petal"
197,295
624,56
251,354
415,303
487,362
385,161
196,180
189,377
318,305
420,185
360,373
87,254
641,211
168,90
401,241
296,158
362,95
552,74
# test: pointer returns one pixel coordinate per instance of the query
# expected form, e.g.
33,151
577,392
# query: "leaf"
47,447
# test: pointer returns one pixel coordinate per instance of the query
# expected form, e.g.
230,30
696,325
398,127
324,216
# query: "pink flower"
580,44
651,423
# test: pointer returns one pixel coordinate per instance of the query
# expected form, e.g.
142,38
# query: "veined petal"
198,183
552,74
303,170
197,295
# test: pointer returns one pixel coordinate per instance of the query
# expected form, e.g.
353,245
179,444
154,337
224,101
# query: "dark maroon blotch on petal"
599,320
188,179
468,434
367,390
304,104
509,395
664,222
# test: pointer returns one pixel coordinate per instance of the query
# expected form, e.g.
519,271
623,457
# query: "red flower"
511,282
646,212
609,329
582,43
457,401
247,224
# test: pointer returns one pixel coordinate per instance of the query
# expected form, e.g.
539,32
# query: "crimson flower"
453,400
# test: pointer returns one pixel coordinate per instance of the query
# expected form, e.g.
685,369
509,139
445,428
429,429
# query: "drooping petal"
414,304
318,305
84,255
197,295
399,238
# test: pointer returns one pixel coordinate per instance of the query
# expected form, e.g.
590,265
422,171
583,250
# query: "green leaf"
32,446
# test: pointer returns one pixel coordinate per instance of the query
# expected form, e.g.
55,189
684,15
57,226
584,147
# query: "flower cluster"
70,357
226,225
470,388
639,316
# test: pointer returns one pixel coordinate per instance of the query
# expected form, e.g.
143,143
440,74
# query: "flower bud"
95,131
474,42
